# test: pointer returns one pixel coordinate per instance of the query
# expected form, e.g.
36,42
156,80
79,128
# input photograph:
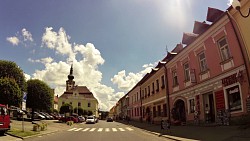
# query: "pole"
167,91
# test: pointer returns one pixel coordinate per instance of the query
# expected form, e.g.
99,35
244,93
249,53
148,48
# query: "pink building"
208,77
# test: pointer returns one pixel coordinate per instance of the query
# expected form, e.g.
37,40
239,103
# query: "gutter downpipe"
231,19
167,89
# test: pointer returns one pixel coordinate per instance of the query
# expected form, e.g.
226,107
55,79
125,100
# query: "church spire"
71,76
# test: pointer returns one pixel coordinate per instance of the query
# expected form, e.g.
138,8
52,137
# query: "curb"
40,134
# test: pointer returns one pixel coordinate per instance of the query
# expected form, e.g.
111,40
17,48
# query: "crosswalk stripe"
121,129
72,129
107,129
130,129
78,129
100,129
114,129
86,129
93,129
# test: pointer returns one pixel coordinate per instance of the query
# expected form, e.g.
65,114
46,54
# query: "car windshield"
3,111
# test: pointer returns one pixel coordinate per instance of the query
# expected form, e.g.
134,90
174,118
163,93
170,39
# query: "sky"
112,44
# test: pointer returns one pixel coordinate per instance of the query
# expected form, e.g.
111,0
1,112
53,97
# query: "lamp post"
236,5
167,88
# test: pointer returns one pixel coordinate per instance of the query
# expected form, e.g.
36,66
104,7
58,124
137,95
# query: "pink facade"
216,78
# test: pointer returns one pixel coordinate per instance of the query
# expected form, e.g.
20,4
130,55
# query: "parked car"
4,119
109,119
69,118
81,119
90,119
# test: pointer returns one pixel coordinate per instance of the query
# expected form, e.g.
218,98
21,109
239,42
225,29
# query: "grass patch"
20,133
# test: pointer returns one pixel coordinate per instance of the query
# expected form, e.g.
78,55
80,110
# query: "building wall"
84,103
208,82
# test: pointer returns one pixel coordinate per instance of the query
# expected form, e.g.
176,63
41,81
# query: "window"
186,72
191,105
164,110
153,88
224,50
202,60
145,92
159,110
154,111
63,103
70,103
175,79
157,85
89,104
79,104
234,98
162,82
148,90
142,93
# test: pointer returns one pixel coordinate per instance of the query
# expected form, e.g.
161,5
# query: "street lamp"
167,88
236,5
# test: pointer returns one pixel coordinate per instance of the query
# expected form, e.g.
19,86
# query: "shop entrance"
178,112
209,109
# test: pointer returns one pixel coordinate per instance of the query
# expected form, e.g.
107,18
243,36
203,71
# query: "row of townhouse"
201,79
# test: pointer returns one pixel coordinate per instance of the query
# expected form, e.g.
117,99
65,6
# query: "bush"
70,123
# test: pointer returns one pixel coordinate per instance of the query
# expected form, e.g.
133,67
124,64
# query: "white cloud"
13,40
58,41
24,39
43,60
27,77
85,69
127,82
27,36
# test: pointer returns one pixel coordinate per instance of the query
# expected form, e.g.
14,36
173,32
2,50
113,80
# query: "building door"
209,108
179,112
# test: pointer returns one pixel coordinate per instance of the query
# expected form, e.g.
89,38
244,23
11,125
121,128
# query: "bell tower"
70,83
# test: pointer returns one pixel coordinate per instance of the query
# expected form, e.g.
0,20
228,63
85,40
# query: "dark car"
109,119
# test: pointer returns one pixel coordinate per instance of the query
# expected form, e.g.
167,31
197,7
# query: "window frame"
175,78
186,70
202,61
225,53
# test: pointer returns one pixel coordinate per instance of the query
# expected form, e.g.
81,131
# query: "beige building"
78,96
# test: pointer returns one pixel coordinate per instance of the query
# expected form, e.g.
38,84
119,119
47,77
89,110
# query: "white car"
90,119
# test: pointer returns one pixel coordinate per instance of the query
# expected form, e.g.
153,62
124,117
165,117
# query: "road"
101,131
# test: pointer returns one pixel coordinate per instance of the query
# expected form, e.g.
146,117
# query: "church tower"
70,83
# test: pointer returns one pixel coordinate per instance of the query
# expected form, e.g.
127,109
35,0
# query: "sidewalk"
203,133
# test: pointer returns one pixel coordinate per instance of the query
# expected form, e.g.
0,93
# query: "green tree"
10,69
78,110
39,96
65,108
10,92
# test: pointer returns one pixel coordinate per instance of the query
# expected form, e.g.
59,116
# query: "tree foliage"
65,108
39,95
11,70
78,110
10,92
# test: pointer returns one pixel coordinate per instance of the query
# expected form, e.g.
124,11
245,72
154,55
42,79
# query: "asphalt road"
101,131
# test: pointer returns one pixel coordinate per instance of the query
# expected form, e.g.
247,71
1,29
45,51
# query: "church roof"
82,90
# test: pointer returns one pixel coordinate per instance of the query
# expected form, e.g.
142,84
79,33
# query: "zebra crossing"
100,129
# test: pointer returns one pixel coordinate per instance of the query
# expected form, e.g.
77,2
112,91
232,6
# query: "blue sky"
112,43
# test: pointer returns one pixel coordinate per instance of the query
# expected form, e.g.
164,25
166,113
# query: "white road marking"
130,129
72,129
107,130
86,129
93,129
114,129
121,129
100,129
78,129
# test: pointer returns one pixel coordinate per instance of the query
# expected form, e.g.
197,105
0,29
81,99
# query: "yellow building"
241,20
78,96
